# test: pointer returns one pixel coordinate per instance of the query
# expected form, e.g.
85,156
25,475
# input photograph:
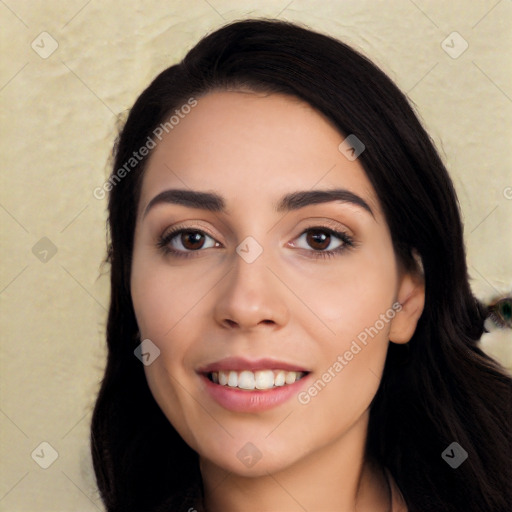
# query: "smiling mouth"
257,380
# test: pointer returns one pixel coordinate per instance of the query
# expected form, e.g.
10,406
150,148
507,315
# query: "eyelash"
348,242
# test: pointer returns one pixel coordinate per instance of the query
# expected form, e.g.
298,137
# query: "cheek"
170,325
350,365
354,306
170,315
163,296
346,298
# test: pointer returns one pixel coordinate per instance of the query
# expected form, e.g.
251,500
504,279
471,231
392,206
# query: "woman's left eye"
323,240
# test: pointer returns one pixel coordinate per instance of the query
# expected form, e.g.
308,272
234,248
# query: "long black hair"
438,389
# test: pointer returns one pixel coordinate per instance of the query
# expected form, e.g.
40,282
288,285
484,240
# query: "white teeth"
261,379
264,379
290,377
233,379
280,378
246,380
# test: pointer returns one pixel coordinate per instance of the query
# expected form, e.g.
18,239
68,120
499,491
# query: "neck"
335,477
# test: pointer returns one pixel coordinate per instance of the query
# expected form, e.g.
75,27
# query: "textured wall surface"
67,73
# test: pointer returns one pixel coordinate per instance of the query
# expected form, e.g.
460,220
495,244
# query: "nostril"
231,323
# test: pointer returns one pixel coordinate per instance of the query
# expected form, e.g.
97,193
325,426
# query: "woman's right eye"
186,241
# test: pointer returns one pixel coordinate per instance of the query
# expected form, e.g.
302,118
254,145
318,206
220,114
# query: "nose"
250,296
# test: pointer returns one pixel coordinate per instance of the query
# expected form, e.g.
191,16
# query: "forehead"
247,146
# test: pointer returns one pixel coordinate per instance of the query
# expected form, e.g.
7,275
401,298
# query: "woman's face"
282,282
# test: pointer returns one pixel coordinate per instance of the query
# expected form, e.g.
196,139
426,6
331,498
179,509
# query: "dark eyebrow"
298,200
294,201
201,200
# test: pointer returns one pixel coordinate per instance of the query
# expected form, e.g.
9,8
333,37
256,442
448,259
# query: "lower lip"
239,400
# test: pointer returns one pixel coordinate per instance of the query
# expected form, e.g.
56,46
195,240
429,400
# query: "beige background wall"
58,123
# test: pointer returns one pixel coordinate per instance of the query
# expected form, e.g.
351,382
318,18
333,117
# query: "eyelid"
193,226
323,222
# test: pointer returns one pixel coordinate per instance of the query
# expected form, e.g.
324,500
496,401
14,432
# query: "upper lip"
241,364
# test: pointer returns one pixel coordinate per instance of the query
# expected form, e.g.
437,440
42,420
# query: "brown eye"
192,240
323,242
186,241
318,240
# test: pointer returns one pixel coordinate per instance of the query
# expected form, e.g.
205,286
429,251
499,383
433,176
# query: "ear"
411,296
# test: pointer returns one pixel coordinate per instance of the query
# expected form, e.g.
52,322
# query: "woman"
287,262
